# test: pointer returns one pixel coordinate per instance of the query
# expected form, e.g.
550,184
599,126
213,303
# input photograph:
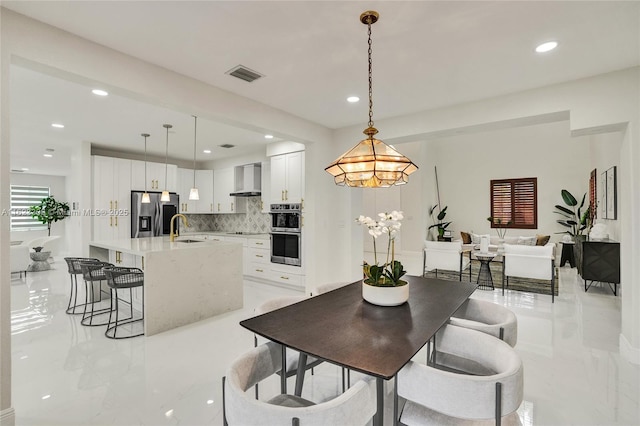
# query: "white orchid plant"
389,273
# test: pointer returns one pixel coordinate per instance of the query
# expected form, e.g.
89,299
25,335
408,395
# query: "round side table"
39,261
485,280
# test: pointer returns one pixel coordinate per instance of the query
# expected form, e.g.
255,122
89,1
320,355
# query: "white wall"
605,153
467,164
57,189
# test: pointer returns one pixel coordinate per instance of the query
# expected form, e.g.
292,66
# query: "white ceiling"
426,55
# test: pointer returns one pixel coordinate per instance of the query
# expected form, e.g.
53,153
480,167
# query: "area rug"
518,284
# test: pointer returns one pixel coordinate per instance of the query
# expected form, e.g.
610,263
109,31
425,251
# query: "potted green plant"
382,284
440,224
574,219
48,211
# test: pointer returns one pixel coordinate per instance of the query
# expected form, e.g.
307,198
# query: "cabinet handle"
143,263
116,204
110,205
110,220
231,206
116,220
211,207
259,270
302,203
284,278
261,205
259,255
259,244
218,206
118,259
282,195
286,194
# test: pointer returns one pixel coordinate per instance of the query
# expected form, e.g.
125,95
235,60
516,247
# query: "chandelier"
371,163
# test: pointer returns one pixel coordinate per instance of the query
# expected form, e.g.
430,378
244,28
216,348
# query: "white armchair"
536,262
19,259
446,256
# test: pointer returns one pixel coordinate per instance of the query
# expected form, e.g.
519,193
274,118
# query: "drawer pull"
259,255
259,244
284,278
259,270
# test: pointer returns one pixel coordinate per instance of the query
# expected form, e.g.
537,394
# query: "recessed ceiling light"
268,136
353,99
207,151
209,401
48,155
546,47
100,92
57,125
46,397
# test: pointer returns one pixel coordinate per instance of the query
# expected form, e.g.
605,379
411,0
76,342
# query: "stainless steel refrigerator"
152,219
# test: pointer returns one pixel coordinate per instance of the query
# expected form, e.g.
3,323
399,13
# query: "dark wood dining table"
341,328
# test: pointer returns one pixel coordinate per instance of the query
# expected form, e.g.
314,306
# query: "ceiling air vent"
244,73
226,145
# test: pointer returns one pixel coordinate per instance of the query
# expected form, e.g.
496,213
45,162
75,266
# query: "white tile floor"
64,373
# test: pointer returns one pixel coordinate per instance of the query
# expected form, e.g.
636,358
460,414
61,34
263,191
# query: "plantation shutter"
23,197
515,201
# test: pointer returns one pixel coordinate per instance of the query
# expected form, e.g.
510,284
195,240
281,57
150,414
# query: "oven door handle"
284,233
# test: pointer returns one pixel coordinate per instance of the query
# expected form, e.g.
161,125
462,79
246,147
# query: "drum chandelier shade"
165,194
193,193
371,163
145,197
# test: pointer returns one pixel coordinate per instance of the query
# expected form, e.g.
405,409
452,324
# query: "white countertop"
141,246
264,236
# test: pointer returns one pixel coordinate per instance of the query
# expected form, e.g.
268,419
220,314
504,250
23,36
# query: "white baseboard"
8,417
628,352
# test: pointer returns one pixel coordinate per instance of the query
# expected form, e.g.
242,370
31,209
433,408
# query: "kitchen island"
184,281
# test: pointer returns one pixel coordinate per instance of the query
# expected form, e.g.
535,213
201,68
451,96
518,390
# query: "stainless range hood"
248,180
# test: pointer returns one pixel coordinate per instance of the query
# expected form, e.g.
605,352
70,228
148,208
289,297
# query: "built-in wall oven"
286,235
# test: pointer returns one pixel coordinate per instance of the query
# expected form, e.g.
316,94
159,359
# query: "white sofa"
536,262
19,259
494,241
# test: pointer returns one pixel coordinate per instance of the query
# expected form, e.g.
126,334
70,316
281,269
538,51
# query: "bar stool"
122,278
73,265
92,272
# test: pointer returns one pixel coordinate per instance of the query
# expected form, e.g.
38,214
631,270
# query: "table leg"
302,366
395,400
378,418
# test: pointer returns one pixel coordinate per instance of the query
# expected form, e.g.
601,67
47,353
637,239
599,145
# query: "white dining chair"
354,407
487,317
293,357
436,396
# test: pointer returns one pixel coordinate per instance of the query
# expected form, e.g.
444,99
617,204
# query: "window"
515,201
23,197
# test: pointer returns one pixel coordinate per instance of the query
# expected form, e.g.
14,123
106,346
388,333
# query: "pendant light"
165,194
145,196
371,163
193,194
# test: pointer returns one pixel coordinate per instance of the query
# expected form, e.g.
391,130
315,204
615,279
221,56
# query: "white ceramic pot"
385,296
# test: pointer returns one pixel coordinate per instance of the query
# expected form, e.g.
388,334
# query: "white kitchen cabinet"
265,190
155,177
185,182
287,178
111,198
204,183
223,185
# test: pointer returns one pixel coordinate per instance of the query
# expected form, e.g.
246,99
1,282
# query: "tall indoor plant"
575,220
49,210
440,223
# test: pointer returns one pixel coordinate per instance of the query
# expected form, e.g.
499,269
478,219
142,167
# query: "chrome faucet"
172,235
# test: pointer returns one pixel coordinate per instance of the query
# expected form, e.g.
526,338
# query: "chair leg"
224,405
498,403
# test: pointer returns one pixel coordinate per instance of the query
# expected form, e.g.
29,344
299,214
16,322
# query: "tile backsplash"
251,221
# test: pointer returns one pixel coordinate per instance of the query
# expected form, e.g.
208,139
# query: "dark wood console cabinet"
598,261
